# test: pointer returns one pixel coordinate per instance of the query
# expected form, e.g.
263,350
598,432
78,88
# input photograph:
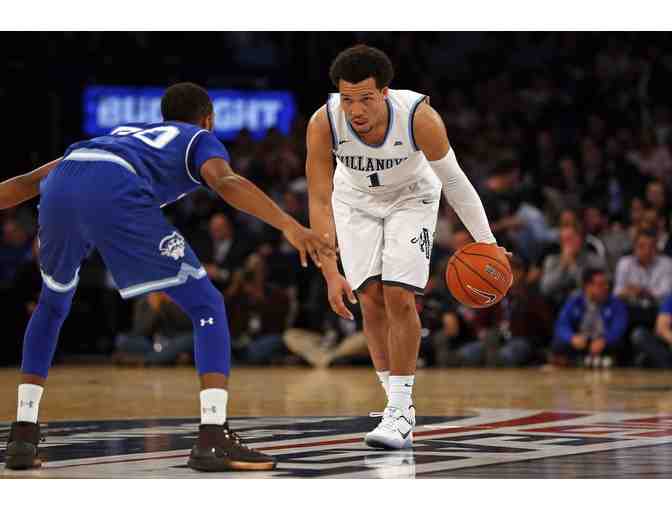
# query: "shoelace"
389,416
229,434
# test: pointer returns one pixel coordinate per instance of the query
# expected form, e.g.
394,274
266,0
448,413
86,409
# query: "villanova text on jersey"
367,164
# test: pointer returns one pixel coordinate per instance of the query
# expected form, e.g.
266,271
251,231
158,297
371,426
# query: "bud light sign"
107,107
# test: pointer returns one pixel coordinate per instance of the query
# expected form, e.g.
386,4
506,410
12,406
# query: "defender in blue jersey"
107,193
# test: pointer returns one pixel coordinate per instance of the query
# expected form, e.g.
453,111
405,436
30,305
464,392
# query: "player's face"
363,104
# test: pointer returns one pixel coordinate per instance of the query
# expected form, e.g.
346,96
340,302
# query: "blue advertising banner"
106,107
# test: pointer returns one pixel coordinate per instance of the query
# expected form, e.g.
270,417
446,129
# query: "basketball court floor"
108,422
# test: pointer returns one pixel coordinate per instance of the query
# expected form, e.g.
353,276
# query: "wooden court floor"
106,421
105,392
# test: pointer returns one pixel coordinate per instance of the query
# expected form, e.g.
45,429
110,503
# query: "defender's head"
187,102
362,75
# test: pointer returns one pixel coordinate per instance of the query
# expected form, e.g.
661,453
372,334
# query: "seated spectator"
592,324
220,250
654,349
15,248
561,273
513,332
644,278
443,320
258,312
611,242
162,334
323,349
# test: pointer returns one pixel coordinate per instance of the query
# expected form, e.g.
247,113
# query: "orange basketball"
479,275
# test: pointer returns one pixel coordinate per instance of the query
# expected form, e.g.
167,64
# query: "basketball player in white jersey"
377,161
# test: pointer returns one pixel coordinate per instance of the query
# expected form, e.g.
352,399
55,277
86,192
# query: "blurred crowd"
567,138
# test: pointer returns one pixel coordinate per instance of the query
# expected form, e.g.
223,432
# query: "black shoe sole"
22,455
22,462
214,465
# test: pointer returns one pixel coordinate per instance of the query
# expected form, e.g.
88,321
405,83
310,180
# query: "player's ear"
209,122
385,91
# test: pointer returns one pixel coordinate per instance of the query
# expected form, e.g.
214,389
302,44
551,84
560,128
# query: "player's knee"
399,302
209,305
371,299
56,304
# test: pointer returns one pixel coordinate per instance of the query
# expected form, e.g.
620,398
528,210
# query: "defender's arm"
18,189
245,196
431,137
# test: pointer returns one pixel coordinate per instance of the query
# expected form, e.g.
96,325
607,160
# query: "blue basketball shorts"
103,204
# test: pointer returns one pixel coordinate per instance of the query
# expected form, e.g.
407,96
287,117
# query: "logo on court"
210,321
172,246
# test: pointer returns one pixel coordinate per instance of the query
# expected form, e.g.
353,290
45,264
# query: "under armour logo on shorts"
210,321
172,246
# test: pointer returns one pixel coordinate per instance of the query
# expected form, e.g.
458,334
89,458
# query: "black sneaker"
22,444
219,449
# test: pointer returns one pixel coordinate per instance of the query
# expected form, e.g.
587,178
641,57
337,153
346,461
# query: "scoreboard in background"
107,107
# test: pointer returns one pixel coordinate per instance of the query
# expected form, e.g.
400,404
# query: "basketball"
479,275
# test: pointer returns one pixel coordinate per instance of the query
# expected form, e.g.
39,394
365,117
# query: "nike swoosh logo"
343,141
489,298
406,434
427,201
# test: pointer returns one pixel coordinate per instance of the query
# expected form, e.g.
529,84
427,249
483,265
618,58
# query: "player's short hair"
360,62
185,102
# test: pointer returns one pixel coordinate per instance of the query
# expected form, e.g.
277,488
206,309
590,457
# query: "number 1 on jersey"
375,182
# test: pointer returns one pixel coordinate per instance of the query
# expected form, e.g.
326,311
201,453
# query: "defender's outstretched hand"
307,241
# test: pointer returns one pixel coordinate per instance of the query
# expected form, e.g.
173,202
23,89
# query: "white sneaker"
395,430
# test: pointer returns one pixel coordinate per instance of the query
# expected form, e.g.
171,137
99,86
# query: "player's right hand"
337,288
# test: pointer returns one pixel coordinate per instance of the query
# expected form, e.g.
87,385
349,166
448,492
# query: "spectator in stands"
259,313
561,273
513,332
592,324
162,334
654,349
609,241
220,250
657,198
15,247
644,278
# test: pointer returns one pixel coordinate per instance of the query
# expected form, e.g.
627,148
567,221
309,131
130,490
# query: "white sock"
28,402
401,391
384,378
213,406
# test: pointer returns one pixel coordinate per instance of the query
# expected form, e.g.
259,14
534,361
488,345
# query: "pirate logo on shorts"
172,246
423,242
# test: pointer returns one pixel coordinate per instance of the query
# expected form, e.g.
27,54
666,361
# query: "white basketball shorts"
387,238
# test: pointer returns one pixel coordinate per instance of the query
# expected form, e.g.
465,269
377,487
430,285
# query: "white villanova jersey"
363,169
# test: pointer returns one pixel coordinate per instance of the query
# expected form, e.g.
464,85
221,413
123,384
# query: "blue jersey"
167,155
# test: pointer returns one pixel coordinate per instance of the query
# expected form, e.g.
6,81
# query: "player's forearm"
245,196
322,221
462,197
18,189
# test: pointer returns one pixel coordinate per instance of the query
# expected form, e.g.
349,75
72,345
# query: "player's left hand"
308,243
504,251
